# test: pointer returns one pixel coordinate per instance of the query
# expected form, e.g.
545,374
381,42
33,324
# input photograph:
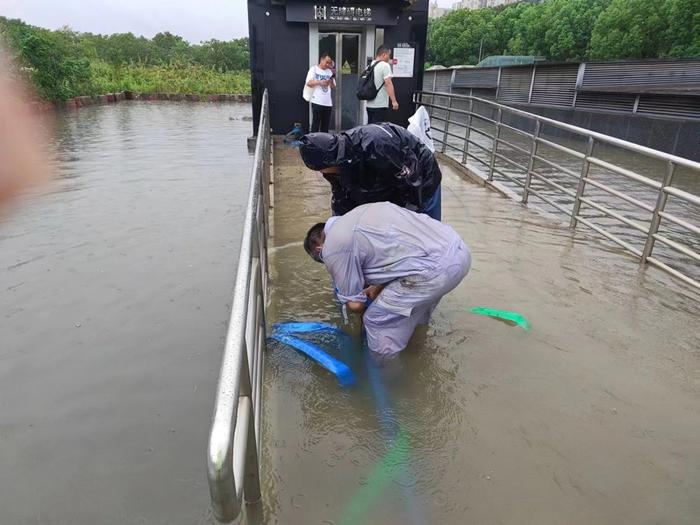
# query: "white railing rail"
234,437
663,189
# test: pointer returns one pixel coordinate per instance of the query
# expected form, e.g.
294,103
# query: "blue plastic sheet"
284,333
304,327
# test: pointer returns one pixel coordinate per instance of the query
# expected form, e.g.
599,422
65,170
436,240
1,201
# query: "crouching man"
403,261
375,163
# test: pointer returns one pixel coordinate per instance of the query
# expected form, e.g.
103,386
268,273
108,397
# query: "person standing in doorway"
377,109
321,79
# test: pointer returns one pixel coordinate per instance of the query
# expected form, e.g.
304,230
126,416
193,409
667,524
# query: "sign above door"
345,14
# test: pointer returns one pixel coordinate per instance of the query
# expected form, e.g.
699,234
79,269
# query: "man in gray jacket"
402,261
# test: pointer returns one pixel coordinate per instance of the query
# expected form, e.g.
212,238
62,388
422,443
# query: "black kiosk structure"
287,37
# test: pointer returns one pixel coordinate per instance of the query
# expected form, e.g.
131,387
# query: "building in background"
436,11
479,4
287,36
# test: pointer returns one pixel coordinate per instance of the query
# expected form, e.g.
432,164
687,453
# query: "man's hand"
356,307
395,105
373,290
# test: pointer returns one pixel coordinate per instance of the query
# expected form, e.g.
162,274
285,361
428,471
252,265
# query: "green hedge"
64,64
183,79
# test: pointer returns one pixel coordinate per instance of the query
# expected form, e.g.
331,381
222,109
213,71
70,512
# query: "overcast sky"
195,20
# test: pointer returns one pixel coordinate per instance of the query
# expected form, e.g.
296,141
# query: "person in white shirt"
377,108
321,78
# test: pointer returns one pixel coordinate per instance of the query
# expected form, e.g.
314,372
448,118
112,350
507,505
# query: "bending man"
403,261
375,163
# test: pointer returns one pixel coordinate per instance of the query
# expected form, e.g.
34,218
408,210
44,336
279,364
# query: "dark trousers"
321,118
375,115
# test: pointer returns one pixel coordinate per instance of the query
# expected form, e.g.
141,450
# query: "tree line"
568,30
65,63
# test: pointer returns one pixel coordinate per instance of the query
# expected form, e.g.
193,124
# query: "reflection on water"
590,417
115,285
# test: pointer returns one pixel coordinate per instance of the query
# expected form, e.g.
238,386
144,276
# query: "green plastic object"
381,476
513,317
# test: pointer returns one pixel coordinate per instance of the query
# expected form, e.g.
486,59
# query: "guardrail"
663,190
234,438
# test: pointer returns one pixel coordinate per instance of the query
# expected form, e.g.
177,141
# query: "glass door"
349,77
344,49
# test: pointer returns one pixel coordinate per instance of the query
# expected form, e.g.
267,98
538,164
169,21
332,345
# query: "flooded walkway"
593,416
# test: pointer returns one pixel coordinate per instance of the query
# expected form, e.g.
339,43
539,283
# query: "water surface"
115,285
593,416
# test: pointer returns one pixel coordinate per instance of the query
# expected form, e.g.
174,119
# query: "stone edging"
111,98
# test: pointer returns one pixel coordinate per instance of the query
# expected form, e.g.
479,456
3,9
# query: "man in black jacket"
375,163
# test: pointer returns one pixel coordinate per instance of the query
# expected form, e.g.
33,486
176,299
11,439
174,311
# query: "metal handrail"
663,189
680,161
234,437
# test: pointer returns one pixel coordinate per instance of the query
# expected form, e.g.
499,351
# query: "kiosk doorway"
344,48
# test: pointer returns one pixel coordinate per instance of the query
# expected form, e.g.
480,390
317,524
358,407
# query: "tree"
505,23
682,37
629,29
170,48
233,55
528,32
55,73
569,24
457,37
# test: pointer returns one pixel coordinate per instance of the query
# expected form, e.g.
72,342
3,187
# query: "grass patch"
185,79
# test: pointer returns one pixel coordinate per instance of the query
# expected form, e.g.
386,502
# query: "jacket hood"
320,150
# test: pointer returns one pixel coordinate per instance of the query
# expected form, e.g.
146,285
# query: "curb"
113,98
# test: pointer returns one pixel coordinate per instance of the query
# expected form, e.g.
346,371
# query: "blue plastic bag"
284,333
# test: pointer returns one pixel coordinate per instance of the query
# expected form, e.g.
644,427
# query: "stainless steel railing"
234,438
466,117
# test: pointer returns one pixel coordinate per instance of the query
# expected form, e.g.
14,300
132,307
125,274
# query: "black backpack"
366,89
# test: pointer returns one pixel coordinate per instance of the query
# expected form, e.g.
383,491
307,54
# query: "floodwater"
115,285
592,416
684,179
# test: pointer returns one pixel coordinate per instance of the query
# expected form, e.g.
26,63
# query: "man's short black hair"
324,55
382,49
313,239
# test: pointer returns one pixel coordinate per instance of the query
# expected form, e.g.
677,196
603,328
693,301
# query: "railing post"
467,132
656,218
531,162
445,136
494,147
582,182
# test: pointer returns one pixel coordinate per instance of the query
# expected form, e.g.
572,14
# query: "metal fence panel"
602,75
515,85
482,77
666,105
555,85
516,147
